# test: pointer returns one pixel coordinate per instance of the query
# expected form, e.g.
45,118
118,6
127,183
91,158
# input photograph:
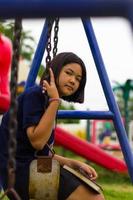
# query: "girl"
37,108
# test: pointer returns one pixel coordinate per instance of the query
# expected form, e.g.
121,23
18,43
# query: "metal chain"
48,46
13,109
55,39
56,30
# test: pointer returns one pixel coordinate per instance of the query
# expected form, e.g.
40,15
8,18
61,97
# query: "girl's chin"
68,93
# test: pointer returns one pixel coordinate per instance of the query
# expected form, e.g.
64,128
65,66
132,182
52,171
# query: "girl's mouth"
69,87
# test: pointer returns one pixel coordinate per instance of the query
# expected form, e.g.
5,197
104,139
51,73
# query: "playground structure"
83,9
89,151
103,135
5,64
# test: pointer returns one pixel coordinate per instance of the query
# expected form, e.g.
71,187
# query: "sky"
115,40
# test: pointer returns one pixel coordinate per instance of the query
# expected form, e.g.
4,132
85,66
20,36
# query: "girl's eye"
78,79
69,73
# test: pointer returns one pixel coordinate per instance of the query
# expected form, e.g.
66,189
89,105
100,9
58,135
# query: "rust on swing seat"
44,179
44,164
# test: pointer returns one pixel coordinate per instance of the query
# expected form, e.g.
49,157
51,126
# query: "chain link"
13,88
48,46
55,39
56,30
13,109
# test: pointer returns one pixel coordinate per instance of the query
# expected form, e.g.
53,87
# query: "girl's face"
69,79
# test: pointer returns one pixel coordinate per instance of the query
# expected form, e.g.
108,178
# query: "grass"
115,186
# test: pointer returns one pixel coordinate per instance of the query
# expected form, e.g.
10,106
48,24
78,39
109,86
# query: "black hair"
57,64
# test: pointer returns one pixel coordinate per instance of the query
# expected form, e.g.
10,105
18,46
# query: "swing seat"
44,185
5,63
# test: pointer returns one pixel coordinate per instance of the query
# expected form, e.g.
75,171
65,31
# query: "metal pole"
64,8
109,96
75,114
37,57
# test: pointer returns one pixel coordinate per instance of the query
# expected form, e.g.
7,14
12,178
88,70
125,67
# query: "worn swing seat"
43,182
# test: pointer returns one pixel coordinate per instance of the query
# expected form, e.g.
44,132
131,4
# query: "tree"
124,98
27,41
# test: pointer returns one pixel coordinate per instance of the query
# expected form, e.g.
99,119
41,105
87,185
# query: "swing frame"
112,114
81,8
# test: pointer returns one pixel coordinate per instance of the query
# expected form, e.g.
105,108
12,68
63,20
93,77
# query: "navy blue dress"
31,106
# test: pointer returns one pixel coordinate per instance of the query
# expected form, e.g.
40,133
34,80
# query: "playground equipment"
89,151
106,133
78,8
39,181
5,64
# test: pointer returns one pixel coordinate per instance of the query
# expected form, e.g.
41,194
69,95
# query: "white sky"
115,39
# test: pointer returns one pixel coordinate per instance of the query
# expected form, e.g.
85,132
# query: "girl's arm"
39,135
77,165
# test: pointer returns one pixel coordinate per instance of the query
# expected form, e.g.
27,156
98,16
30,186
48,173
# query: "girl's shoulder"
33,93
36,89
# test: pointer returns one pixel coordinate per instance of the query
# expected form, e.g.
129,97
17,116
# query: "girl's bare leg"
84,193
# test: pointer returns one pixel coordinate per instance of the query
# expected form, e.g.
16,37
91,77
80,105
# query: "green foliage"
41,71
124,97
27,41
130,106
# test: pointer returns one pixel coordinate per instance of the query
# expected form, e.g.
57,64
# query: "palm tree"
27,41
124,98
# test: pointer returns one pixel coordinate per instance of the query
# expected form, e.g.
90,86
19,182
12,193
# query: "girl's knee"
99,197
85,193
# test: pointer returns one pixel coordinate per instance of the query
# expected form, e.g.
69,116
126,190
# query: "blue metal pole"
75,114
109,96
37,57
130,16
63,8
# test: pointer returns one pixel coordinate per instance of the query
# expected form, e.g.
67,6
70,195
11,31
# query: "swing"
42,185
45,171
44,178
5,64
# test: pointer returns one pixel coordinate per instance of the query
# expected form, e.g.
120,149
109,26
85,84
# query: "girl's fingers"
50,87
45,86
88,172
93,173
51,76
93,176
45,83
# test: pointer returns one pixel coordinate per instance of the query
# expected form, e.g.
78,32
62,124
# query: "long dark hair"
56,65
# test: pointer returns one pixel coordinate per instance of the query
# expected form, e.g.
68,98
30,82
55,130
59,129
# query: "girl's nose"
72,80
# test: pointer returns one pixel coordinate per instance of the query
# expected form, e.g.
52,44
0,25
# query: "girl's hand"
84,169
88,171
50,87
